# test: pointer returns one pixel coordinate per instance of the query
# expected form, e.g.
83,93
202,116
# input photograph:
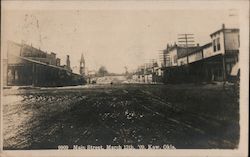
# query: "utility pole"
188,40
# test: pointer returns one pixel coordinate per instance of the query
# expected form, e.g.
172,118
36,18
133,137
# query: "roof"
41,63
224,29
173,47
38,62
207,45
31,48
183,52
201,48
82,59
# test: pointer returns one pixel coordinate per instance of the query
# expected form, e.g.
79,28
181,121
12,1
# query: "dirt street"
184,116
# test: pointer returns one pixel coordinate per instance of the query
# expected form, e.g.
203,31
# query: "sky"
113,38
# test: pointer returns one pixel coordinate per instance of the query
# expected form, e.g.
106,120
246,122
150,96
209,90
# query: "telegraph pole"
188,40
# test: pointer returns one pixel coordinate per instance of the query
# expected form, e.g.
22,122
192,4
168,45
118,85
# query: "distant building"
82,66
58,62
68,63
147,73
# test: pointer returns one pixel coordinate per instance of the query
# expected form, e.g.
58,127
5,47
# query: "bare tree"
102,71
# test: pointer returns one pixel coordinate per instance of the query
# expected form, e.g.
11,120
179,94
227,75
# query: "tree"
102,71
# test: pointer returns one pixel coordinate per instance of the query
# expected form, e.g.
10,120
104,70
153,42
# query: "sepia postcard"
124,78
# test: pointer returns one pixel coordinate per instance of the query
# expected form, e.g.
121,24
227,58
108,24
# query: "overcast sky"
113,38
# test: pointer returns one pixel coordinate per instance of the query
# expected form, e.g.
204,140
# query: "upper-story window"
218,44
175,59
214,45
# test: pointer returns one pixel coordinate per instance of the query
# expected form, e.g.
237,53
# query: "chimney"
68,62
223,26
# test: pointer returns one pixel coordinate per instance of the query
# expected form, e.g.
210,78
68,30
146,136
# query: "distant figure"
111,83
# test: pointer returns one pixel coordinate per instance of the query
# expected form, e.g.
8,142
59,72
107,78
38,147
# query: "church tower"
82,66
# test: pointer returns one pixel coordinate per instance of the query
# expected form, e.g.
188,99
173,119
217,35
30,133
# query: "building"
68,63
82,66
176,55
58,62
210,62
27,65
148,73
32,53
226,43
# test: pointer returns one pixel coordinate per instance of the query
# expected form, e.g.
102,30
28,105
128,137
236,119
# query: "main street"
184,116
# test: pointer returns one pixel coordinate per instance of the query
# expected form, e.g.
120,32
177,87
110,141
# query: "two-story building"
221,54
210,62
226,43
186,55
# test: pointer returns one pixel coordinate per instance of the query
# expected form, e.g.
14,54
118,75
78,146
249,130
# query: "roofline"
205,45
179,47
41,63
30,47
223,29
201,48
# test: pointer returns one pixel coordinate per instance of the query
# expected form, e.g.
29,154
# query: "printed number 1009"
63,147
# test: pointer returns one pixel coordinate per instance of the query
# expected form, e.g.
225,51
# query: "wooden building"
210,62
27,65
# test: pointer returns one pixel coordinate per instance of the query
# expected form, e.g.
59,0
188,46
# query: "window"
175,59
214,45
218,44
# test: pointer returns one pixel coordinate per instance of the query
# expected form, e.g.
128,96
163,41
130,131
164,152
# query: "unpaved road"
184,116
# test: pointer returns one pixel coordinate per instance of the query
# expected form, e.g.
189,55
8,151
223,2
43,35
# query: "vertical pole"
186,47
223,55
33,74
187,57
224,67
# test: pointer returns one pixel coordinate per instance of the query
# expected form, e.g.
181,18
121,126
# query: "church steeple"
82,65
